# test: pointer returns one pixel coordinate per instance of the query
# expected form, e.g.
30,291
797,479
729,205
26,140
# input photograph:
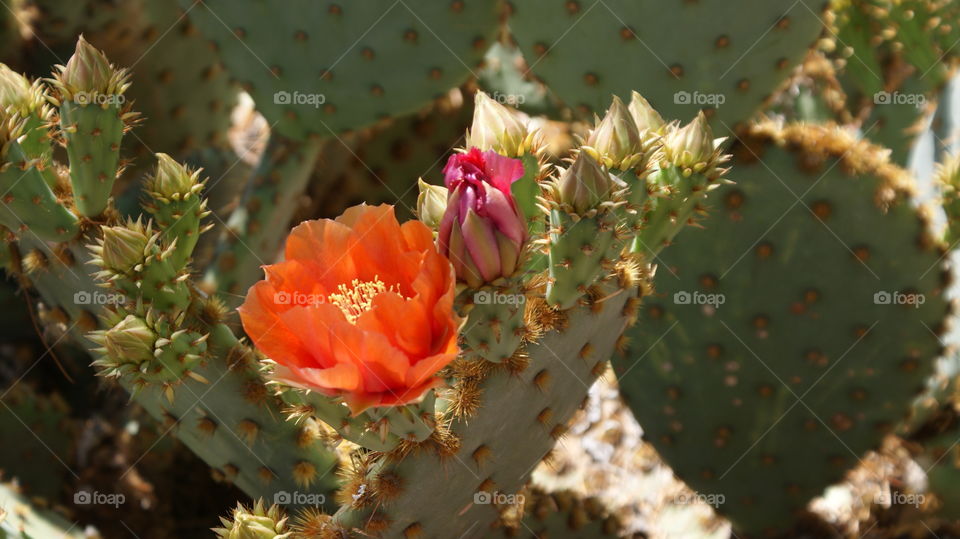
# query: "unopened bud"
431,203
691,146
616,142
131,340
498,128
584,185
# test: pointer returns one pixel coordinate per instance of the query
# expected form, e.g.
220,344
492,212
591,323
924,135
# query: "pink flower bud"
482,231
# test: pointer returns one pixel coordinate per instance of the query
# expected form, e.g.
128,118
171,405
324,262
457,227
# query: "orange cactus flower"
361,308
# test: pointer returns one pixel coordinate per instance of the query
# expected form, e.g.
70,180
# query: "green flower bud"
498,128
615,141
584,185
123,247
15,91
431,203
88,70
173,180
255,523
691,146
131,340
644,116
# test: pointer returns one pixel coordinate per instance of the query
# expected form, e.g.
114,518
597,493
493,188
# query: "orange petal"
403,321
260,318
427,367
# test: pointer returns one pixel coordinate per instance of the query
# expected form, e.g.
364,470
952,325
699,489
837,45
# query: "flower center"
356,298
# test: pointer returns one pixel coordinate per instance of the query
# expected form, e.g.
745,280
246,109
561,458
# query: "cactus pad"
585,51
789,338
328,67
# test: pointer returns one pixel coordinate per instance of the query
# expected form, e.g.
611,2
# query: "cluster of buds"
148,348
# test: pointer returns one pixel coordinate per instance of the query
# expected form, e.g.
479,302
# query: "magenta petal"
446,222
502,171
481,242
500,210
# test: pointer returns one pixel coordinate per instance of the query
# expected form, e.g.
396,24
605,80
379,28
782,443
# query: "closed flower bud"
644,116
431,203
482,231
691,146
15,91
88,70
123,247
584,185
131,340
615,141
498,128
172,180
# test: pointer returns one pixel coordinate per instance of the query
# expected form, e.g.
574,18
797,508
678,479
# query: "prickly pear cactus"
322,68
585,51
790,333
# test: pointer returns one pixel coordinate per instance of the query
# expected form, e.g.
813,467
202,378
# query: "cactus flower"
361,308
482,231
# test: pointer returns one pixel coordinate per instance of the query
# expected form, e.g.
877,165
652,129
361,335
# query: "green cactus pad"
93,134
563,515
38,435
495,326
480,454
256,229
585,51
328,67
784,345
28,202
579,251
381,164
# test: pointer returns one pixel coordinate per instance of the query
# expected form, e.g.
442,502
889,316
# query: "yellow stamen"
357,297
